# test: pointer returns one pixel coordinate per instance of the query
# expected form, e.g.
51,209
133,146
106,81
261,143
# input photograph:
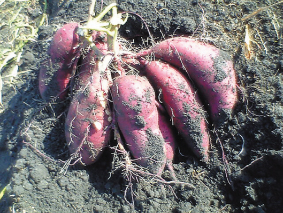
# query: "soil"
249,179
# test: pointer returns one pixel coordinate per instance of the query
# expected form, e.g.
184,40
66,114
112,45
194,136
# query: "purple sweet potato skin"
56,71
182,104
90,57
169,135
87,124
208,67
137,117
64,43
54,78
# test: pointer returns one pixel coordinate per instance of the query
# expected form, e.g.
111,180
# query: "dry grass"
19,23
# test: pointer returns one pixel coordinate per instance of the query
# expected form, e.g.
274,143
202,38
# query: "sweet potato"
182,104
54,79
90,57
137,117
168,134
64,44
57,69
207,66
87,124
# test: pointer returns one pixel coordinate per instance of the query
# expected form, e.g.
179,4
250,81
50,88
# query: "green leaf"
2,192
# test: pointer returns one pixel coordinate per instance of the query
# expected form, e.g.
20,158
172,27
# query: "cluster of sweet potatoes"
168,99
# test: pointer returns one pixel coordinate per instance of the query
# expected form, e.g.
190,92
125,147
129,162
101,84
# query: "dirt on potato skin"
36,184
